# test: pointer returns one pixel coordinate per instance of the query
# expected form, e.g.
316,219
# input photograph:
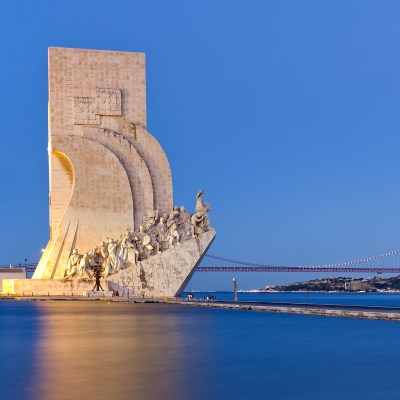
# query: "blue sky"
285,112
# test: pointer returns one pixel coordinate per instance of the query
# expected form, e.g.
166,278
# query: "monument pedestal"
46,287
98,293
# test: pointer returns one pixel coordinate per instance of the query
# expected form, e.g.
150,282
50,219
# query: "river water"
91,350
360,299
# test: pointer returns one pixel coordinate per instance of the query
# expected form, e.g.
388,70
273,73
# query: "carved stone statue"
139,238
162,233
126,242
93,256
122,256
201,220
112,260
179,226
148,248
132,247
84,268
206,223
185,224
198,223
150,218
103,253
201,205
133,253
72,265
154,242
172,230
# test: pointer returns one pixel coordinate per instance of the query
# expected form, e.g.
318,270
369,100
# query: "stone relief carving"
72,264
85,111
201,205
89,109
201,220
108,101
157,235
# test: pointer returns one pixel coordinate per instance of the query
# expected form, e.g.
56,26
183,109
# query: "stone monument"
111,205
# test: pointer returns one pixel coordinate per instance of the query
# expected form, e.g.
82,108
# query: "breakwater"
329,310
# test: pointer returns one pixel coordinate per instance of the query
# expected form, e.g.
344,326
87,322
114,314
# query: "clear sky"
286,113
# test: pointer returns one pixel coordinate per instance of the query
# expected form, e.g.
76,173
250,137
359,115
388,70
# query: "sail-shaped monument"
112,219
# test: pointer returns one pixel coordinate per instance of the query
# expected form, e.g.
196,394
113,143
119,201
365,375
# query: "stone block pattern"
45,287
85,110
104,175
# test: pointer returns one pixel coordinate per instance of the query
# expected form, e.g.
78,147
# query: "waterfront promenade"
329,310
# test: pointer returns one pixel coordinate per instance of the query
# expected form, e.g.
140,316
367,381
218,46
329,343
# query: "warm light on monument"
111,207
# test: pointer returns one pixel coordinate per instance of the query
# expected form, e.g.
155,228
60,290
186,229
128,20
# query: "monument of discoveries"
111,205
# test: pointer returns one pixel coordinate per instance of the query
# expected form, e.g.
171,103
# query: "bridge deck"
266,268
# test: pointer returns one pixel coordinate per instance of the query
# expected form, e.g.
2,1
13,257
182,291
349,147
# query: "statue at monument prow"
110,182
132,247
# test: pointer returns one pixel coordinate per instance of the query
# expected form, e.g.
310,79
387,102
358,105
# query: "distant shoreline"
292,291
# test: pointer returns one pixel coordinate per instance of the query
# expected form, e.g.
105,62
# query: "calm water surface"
92,350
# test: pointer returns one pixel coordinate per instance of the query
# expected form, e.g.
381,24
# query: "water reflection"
100,351
91,350
19,328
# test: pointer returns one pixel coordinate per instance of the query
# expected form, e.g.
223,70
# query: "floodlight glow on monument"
111,205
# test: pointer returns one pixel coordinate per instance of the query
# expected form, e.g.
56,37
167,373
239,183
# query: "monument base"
46,287
99,293
163,275
11,273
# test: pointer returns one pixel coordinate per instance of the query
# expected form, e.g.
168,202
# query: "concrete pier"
329,310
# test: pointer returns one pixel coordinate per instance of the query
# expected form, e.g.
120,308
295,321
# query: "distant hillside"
341,284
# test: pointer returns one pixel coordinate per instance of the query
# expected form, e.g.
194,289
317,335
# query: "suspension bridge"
388,263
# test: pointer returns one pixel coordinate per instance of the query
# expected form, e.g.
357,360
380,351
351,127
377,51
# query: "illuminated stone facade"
107,173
